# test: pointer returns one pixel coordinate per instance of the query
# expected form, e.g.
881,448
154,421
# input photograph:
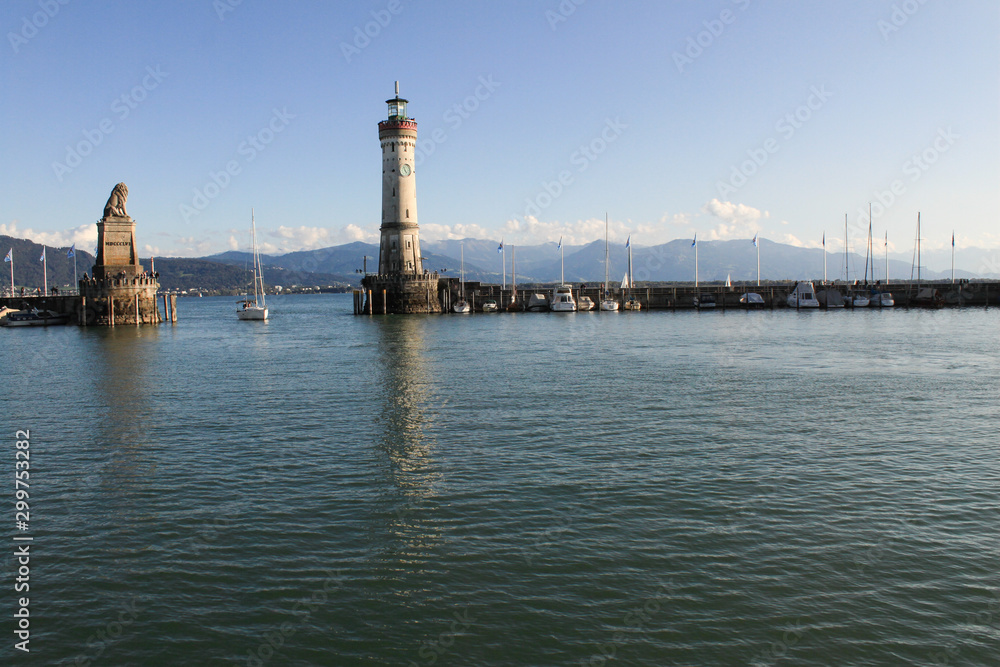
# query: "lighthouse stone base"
403,294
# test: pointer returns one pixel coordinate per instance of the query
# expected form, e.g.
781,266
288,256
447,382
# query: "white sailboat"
562,296
462,306
607,303
256,308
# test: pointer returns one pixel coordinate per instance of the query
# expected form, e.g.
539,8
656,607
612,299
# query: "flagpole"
696,261
824,258
887,258
75,281
11,273
953,257
503,262
757,244
45,274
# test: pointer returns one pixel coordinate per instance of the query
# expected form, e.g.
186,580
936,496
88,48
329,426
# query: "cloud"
84,236
738,221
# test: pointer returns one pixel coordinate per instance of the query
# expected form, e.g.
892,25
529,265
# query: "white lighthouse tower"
399,250
401,285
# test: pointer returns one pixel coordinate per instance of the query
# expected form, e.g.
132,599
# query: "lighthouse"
401,284
399,246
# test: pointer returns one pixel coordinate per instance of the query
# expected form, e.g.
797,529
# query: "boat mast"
606,268
887,259
918,247
824,257
258,279
462,286
847,262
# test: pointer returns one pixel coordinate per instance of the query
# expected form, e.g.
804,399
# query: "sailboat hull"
252,313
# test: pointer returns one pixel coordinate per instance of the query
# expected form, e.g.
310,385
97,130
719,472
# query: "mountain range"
341,266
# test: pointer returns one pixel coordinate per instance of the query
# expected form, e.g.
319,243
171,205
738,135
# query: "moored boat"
584,303
803,296
751,299
490,306
538,302
33,318
703,301
254,308
562,300
830,298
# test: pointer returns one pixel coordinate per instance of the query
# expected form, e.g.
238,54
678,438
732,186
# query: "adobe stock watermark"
562,13
634,621
786,127
432,649
581,158
900,16
31,25
705,39
455,116
779,649
121,107
223,7
913,168
246,152
363,36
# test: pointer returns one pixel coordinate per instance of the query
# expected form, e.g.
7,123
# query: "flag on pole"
953,239
500,247
628,241
559,247
42,258
824,239
72,251
695,242
9,257
754,240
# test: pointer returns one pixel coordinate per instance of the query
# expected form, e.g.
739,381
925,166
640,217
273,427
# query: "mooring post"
173,308
83,311
137,309
385,304
111,310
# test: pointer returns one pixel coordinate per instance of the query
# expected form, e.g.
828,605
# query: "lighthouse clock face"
405,170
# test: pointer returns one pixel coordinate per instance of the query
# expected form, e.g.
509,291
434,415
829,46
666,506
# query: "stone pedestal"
120,300
402,294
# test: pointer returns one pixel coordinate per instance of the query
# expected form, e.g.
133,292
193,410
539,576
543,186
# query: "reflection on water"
121,375
407,407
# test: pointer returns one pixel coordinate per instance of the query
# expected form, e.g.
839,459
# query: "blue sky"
724,117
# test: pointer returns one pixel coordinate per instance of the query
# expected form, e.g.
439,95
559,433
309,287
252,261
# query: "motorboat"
751,299
632,303
538,302
704,301
881,300
490,306
858,300
562,300
803,296
584,303
33,318
609,305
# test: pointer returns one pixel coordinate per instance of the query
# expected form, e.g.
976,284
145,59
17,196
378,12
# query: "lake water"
813,488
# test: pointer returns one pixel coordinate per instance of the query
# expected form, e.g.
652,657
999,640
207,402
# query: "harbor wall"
681,297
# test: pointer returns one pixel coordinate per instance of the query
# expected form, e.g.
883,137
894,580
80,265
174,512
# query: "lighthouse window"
394,192
407,214
394,148
407,244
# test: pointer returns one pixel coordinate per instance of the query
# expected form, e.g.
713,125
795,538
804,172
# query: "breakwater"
100,309
682,296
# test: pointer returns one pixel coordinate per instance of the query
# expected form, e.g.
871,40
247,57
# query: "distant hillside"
175,273
28,267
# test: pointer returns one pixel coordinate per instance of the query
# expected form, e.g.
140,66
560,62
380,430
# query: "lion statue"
116,202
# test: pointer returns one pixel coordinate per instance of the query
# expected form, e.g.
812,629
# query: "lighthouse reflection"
408,408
